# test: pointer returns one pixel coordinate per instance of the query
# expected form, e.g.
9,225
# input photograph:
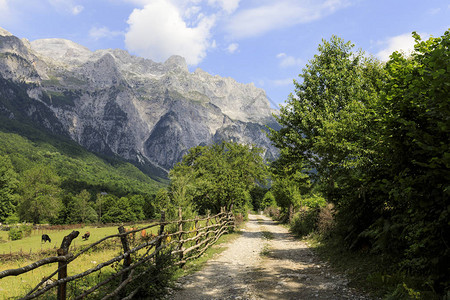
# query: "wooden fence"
173,237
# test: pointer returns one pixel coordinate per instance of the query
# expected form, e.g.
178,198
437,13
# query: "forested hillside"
47,178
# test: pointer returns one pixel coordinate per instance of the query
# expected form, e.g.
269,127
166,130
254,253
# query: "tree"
8,187
39,195
79,209
416,158
326,125
218,175
117,210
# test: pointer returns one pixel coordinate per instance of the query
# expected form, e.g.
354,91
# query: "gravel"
257,267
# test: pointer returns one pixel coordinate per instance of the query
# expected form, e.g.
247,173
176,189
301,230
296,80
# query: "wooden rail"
182,244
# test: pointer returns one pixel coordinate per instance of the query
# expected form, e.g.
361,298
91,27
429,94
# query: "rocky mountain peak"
61,50
176,62
112,102
4,32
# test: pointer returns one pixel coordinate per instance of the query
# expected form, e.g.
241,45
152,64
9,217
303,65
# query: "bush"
273,212
305,221
15,234
12,219
26,230
325,220
156,276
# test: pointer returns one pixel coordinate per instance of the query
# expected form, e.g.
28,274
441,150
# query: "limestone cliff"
115,103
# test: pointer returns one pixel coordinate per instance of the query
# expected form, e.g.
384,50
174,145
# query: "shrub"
15,234
26,230
157,276
12,219
305,221
273,212
325,220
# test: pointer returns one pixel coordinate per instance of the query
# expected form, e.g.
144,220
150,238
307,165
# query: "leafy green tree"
327,123
137,203
268,200
416,157
117,210
79,209
219,175
39,195
8,187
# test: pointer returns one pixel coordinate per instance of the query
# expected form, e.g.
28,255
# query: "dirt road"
265,262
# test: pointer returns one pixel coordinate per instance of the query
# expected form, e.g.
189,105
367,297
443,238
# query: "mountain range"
114,103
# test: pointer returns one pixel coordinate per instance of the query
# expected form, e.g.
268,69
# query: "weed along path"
265,262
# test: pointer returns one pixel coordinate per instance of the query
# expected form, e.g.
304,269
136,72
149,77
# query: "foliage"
78,174
325,123
39,195
218,175
374,139
15,233
416,134
8,186
12,219
157,276
19,232
268,200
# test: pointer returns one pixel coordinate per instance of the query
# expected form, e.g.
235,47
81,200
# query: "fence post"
62,273
196,230
127,257
161,229
180,229
230,217
207,224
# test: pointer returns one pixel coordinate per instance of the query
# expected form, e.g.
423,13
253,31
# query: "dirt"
265,262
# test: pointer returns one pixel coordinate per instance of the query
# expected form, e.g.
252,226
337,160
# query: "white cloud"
232,48
158,31
103,32
275,14
287,61
77,9
66,6
228,6
404,42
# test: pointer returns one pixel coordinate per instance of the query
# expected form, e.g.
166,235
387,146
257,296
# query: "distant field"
33,244
16,286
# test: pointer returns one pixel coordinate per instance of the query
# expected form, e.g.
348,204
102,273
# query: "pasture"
19,253
33,245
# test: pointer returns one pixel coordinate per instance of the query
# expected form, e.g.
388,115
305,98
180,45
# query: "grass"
267,235
31,249
33,244
17,286
368,272
265,251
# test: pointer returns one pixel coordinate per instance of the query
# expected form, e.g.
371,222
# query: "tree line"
45,180
373,139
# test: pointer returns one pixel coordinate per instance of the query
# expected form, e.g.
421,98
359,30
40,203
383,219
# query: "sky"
264,42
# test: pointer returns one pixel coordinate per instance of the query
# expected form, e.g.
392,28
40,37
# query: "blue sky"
266,42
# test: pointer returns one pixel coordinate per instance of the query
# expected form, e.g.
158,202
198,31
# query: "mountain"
115,103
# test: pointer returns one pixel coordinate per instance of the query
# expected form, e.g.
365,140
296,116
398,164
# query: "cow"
86,236
45,238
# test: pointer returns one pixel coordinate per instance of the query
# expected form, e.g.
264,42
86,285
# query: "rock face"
114,103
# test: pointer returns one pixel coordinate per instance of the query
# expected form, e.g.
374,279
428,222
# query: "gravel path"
265,262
